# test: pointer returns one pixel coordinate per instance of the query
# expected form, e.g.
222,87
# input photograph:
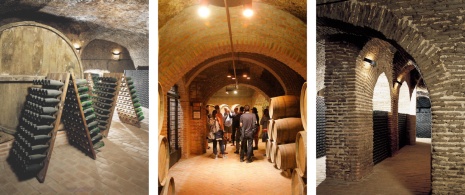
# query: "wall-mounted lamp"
77,47
370,62
116,54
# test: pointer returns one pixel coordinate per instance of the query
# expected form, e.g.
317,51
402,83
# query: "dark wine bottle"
92,125
83,89
98,145
33,168
141,118
137,105
81,81
96,138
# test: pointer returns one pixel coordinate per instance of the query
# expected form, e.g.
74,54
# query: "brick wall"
267,34
429,32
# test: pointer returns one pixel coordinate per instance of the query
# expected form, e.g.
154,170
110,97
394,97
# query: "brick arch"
354,83
437,76
226,59
186,40
399,30
213,89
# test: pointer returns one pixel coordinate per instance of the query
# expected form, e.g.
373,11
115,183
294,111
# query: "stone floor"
121,167
204,175
408,172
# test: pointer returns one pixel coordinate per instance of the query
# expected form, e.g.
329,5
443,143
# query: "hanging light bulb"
203,10
248,11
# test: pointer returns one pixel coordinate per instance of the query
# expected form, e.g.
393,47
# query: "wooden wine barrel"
303,105
30,50
268,149
286,129
270,129
301,153
285,156
163,160
169,188
161,108
284,106
299,187
273,152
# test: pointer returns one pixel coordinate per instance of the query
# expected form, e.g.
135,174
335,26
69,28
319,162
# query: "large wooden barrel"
299,186
301,153
273,152
268,149
303,105
163,160
169,188
270,129
284,106
161,108
286,129
285,156
30,50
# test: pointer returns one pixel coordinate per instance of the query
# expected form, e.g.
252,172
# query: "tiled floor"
205,175
121,167
406,173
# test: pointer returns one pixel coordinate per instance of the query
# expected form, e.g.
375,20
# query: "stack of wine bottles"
104,92
79,118
32,144
128,106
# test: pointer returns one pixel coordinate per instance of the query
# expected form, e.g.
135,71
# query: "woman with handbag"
217,134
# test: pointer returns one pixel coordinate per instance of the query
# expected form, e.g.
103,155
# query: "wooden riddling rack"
128,105
39,123
106,92
79,118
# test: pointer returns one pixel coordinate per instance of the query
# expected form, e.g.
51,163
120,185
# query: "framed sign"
196,115
196,110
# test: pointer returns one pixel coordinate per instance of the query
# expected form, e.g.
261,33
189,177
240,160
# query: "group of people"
240,127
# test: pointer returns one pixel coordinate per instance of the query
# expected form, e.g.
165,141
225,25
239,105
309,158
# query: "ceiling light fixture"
248,11
203,10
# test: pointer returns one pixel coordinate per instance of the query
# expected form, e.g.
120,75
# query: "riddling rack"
106,90
128,106
40,119
80,119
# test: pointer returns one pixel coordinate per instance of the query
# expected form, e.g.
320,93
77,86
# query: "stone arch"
184,49
98,55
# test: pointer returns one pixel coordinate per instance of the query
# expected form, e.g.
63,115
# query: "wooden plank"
19,78
63,77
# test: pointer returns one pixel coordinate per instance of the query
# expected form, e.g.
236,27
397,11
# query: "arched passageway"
268,61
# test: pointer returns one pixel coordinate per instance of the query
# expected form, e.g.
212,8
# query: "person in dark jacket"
248,123
237,128
255,136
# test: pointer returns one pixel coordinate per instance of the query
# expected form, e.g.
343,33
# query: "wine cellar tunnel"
74,89
199,66
389,98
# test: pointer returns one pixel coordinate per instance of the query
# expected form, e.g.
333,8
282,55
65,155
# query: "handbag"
219,135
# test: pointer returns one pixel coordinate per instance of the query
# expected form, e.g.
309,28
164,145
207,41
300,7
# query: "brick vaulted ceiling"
272,43
121,21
